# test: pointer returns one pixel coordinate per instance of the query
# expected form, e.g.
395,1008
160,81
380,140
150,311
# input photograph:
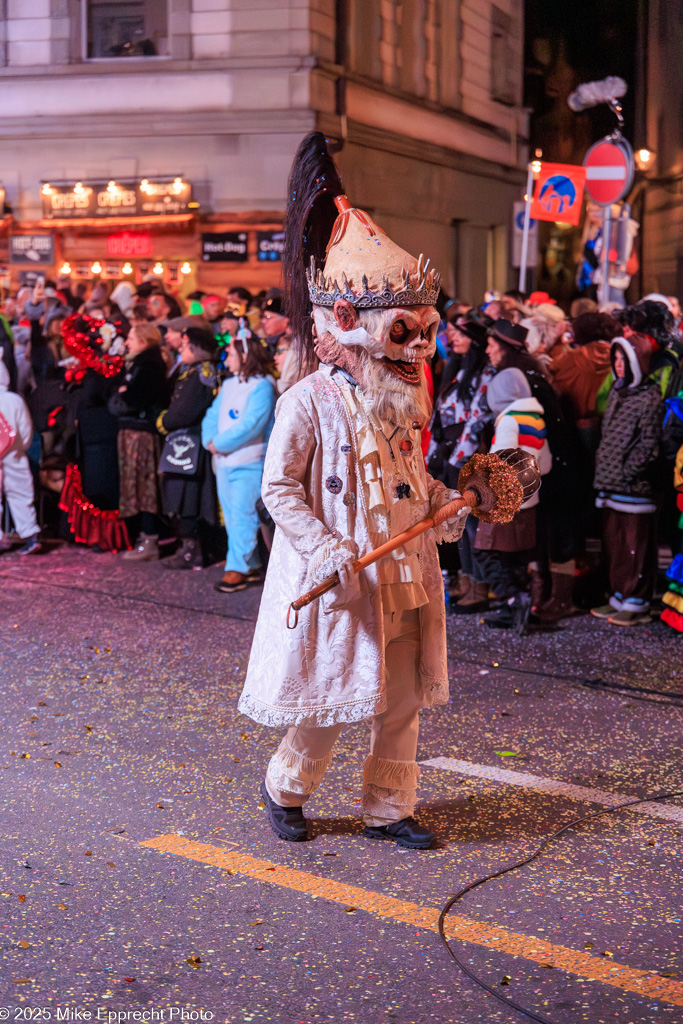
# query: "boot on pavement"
286,822
475,600
560,605
537,590
407,833
146,549
461,587
188,556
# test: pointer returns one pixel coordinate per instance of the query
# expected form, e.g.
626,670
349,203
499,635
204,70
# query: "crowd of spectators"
597,397
132,421
150,421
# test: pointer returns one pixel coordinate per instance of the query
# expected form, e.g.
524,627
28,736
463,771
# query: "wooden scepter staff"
494,486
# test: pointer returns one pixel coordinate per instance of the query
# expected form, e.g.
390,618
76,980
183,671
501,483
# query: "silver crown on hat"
420,289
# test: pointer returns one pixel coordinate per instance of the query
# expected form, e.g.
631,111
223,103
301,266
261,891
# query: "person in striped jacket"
505,549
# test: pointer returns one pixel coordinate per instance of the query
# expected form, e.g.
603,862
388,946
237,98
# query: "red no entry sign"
609,170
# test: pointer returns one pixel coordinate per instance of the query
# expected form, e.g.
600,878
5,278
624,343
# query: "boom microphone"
590,94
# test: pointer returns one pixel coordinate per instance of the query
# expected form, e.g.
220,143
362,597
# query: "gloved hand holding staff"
494,486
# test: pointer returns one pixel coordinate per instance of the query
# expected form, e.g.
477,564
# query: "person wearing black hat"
187,488
461,416
274,320
655,320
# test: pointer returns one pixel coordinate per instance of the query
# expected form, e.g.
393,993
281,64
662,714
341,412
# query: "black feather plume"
314,183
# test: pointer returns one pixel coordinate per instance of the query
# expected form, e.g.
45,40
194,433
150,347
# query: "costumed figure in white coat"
343,474
16,481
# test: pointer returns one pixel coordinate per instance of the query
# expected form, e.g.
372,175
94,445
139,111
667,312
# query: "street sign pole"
604,255
609,175
525,232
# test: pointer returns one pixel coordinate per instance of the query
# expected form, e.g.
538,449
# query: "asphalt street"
139,873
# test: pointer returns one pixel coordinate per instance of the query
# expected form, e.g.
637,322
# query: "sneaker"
286,822
145,550
605,611
630,619
31,546
231,582
407,833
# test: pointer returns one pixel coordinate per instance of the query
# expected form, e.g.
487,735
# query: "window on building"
126,28
504,61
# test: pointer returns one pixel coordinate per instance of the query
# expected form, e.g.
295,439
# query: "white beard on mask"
389,398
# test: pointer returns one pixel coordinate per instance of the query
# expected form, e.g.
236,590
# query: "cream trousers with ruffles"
390,772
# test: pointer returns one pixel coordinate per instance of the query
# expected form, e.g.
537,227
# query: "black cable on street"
513,867
592,683
604,684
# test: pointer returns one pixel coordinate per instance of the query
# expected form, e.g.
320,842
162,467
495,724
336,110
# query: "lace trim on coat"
434,691
452,529
333,714
327,559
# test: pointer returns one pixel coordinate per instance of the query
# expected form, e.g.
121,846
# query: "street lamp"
644,158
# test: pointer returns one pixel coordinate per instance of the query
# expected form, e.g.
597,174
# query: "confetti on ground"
151,719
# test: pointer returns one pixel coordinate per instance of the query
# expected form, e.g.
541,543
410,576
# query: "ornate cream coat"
330,668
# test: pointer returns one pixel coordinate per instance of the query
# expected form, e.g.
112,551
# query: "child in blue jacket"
235,430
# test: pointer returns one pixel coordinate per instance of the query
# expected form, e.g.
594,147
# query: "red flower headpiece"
82,338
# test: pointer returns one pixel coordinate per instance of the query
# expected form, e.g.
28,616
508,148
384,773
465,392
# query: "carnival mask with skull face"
384,350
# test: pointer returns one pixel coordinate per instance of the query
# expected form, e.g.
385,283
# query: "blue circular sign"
558,194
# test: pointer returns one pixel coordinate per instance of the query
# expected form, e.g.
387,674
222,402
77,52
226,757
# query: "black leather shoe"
287,822
407,832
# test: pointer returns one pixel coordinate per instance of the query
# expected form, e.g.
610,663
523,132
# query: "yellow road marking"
628,979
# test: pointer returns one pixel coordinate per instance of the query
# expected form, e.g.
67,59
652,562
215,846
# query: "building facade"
661,199
157,135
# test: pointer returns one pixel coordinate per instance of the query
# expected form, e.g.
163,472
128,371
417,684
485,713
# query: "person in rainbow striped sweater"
507,548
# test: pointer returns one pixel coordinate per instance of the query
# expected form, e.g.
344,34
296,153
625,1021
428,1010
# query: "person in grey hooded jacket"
631,433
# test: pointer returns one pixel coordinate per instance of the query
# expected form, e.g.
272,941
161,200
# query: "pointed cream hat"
364,267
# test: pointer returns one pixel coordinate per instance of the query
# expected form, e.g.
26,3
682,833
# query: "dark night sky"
599,39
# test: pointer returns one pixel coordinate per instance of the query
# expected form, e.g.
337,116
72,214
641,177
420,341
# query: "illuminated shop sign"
116,199
37,249
225,247
270,245
127,243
